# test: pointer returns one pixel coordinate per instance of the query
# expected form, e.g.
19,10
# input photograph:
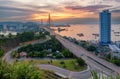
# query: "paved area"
70,74
7,55
93,61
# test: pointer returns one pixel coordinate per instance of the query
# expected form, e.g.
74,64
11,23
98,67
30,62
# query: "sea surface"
88,30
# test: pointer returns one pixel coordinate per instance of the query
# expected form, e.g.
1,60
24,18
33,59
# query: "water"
88,31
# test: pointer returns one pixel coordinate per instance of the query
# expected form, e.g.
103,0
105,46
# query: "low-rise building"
115,51
117,44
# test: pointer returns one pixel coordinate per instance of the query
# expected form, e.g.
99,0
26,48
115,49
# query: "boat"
95,34
61,25
80,34
59,29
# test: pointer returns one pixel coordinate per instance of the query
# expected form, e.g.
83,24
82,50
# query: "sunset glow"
35,10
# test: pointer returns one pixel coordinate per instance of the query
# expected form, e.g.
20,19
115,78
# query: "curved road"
60,71
67,73
7,55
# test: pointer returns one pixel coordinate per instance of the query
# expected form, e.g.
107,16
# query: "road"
7,55
74,75
93,61
70,74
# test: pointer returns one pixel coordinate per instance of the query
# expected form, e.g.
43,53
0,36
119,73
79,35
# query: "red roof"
23,54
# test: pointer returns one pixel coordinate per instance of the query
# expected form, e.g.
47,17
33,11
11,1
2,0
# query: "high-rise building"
105,27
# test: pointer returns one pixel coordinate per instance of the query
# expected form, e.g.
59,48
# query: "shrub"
64,66
19,70
80,61
62,62
91,48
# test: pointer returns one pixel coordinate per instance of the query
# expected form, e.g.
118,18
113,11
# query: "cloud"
24,9
115,11
117,0
20,9
112,0
69,3
45,7
38,6
91,8
16,14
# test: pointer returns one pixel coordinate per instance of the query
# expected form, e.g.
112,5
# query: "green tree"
108,57
20,70
14,54
117,62
80,61
94,75
91,48
1,50
25,36
10,35
67,53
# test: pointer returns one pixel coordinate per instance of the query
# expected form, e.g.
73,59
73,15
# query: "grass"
69,64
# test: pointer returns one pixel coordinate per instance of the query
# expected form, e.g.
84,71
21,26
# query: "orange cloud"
54,16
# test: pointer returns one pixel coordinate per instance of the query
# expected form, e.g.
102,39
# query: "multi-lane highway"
93,61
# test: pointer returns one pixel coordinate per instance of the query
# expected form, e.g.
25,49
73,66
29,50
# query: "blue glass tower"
105,27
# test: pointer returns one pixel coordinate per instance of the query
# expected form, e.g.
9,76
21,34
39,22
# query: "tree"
20,70
108,57
91,48
67,53
1,50
14,54
80,61
94,75
10,35
117,62
30,54
25,36
58,56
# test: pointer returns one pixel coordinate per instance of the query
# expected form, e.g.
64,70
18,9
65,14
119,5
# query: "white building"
117,44
115,51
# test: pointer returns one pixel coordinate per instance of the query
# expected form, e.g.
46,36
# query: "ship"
80,34
59,29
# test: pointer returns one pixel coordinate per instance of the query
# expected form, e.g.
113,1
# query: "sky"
63,11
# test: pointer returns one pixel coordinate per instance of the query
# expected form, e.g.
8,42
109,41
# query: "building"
114,48
115,51
117,43
105,27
